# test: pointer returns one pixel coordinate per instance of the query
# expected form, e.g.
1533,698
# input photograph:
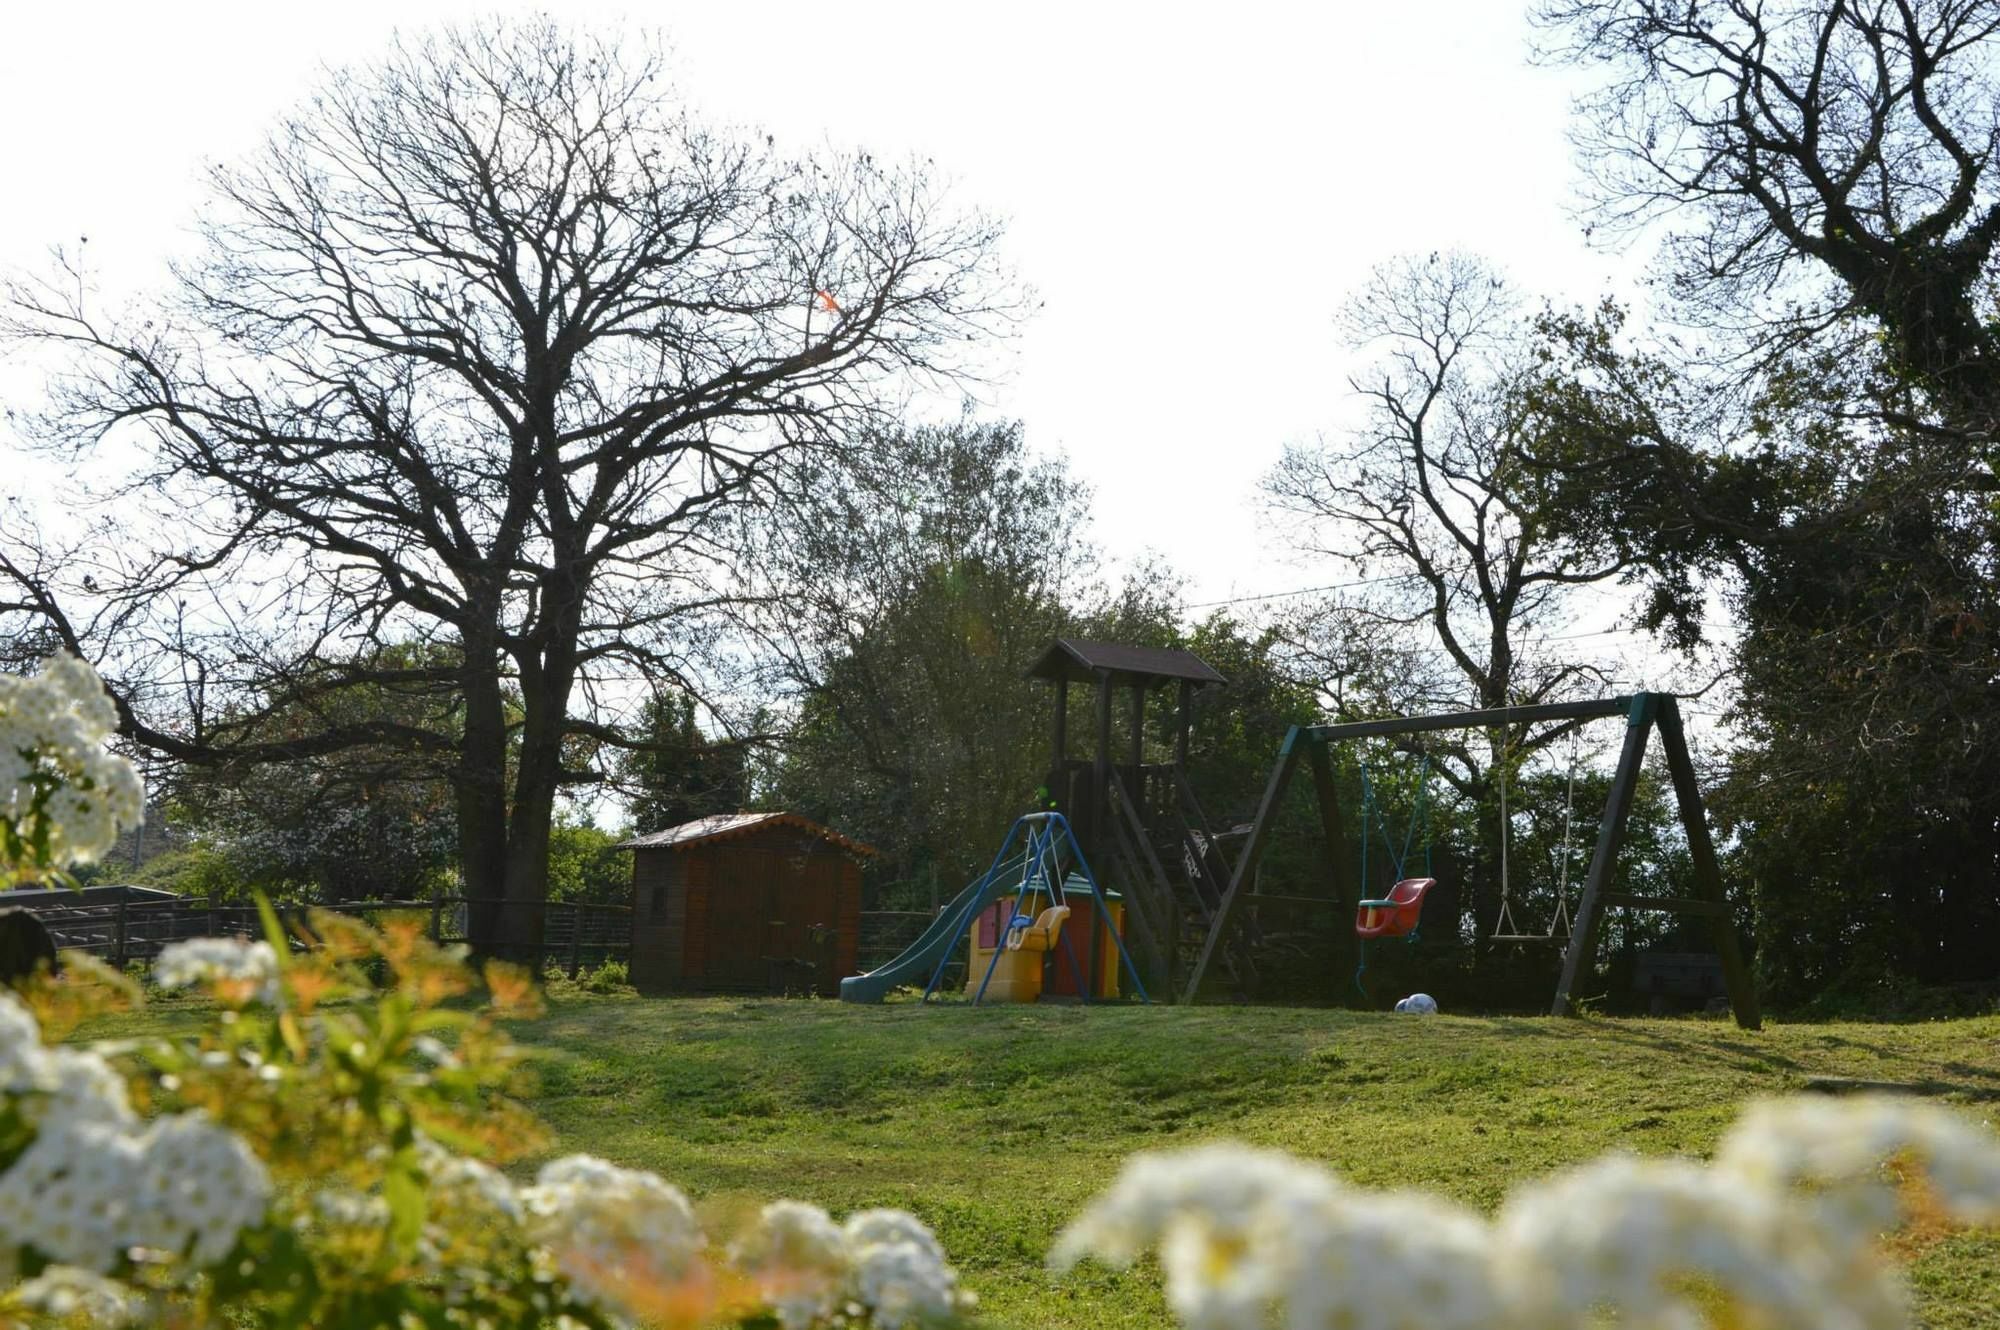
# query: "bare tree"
1432,509
1459,582
474,353
1789,143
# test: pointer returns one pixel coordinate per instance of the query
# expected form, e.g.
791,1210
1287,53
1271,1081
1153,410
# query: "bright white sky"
1192,195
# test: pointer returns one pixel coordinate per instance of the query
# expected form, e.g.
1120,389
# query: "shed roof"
1070,659
727,826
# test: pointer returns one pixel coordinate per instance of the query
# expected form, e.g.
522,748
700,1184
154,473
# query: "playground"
995,1124
1117,883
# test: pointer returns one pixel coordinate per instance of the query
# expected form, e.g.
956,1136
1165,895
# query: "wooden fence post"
575,939
118,946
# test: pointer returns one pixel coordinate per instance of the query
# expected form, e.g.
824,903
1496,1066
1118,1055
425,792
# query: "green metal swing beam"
1643,712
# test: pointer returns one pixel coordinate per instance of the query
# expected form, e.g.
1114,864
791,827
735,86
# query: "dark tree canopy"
473,353
1826,175
674,773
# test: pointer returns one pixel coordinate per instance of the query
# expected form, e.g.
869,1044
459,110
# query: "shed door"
812,923
739,919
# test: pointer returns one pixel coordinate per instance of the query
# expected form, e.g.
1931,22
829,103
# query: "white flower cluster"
1836,1150
96,1185
236,968
66,1293
63,797
618,1236
884,1265
611,1230
1241,1231
467,1184
1779,1231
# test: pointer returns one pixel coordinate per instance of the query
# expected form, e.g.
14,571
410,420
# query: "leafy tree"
1824,172
908,594
1432,508
372,822
474,352
674,773
584,864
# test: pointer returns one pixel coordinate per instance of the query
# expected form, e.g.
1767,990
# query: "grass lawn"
997,1124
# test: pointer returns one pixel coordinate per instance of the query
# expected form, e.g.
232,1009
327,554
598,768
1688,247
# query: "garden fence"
575,935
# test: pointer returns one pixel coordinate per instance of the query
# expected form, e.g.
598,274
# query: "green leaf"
274,932
403,1190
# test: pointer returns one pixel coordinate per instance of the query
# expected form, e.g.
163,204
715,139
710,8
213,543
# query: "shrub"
322,1153
611,976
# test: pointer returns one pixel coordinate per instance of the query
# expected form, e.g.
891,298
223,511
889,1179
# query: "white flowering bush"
63,796
1780,1232
318,1154
313,1157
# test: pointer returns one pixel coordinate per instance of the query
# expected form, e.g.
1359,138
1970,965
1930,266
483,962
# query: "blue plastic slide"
918,960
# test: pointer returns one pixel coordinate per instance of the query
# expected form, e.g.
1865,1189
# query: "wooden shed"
747,903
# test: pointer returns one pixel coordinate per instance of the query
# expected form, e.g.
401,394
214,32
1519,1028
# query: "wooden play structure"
1131,831
1644,714
745,902
1139,822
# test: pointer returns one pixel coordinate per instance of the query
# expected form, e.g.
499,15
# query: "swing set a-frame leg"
1663,710
1246,859
1610,835
1707,873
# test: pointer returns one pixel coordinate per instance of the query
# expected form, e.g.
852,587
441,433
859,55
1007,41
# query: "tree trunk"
547,677
481,780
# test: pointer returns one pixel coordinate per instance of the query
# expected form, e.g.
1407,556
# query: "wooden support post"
1183,721
1610,835
1059,742
1100,779
1707,872
1345,889
1246,861
1154,933
1327,793
118,938
1137,741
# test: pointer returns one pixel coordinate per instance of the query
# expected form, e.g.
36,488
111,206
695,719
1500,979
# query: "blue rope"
1372,819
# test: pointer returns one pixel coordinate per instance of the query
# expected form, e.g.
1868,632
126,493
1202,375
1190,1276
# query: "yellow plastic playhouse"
1033,959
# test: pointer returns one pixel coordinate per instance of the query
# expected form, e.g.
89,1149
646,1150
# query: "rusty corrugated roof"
726,826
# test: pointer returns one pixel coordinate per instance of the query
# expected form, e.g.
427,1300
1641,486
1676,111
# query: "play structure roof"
728,826
1070,660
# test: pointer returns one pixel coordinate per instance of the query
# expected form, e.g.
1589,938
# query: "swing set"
1396,914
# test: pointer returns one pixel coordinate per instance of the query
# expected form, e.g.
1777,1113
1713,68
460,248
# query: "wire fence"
133,929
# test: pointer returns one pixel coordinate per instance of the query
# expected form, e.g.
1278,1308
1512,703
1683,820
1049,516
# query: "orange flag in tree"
827,300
